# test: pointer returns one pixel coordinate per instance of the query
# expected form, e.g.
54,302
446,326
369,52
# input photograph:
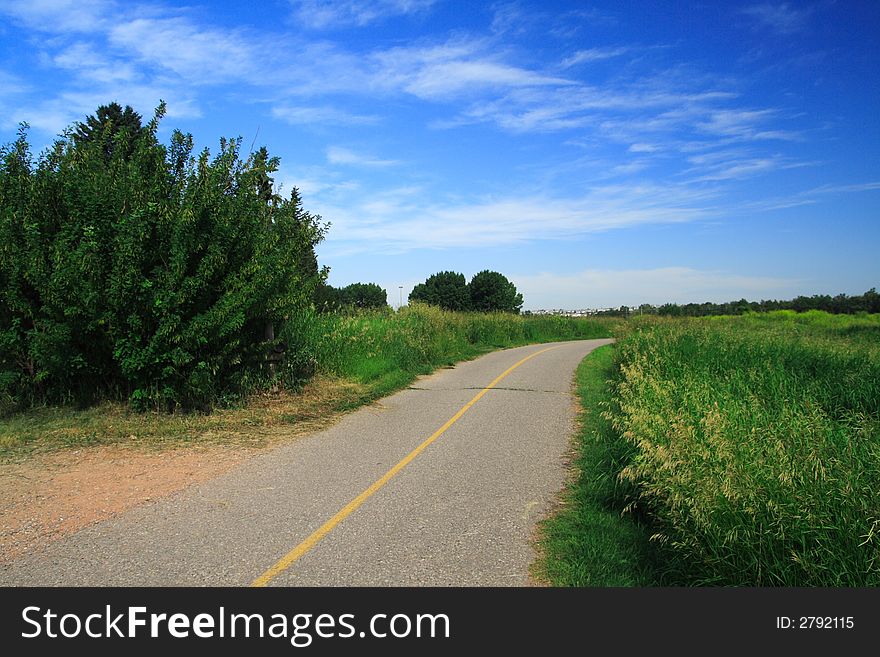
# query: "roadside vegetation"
349,359
752,450
588,541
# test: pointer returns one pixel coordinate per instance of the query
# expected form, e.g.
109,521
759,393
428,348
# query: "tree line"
487,291
840,304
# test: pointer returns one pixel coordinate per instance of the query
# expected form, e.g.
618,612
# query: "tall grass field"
755,443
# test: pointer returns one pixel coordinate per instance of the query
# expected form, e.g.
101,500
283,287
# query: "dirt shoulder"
52,495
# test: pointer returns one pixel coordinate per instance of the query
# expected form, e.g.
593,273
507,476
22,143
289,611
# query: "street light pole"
400,300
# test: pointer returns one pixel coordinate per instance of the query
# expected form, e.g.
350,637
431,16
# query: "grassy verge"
253,425
357,358
588,541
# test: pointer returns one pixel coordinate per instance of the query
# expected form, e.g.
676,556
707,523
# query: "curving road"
440,484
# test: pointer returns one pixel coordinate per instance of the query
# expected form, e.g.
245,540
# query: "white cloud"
452,69
643,148
59,16
197,54
52,116
402,223
632,287
84,59
339,155
809,196
845,189
319,14
152,52
744,124
736,169
509,18
11,85
781,18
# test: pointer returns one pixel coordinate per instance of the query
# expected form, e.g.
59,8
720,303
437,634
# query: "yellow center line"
291,557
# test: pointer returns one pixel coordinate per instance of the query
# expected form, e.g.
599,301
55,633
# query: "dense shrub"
134,269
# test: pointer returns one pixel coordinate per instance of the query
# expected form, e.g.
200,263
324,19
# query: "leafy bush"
134,269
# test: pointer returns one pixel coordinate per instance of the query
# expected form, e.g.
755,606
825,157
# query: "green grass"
756,446
588,541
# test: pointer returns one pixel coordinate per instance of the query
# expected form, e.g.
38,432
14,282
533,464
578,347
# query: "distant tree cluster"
351,297
133,269
488,291
841,304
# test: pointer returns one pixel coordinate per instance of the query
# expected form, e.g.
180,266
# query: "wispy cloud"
413,221
452,69
196,53
781,18
53,115
139,53
321,14
60,16
738,169
592,55
744,124
509,17
846,189
11,85
84,59
808,196
339,155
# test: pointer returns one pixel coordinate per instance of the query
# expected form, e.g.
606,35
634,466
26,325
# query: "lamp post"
400,300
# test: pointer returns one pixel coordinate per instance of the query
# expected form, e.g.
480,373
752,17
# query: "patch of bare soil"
53,495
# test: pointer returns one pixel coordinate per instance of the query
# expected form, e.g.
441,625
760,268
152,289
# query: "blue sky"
596,153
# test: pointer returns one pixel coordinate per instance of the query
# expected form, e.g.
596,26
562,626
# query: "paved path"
461,512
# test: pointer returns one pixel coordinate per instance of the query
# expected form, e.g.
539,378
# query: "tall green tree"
490,291
115,127
446,289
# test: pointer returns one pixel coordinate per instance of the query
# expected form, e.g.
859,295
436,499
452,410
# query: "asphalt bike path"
439,484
